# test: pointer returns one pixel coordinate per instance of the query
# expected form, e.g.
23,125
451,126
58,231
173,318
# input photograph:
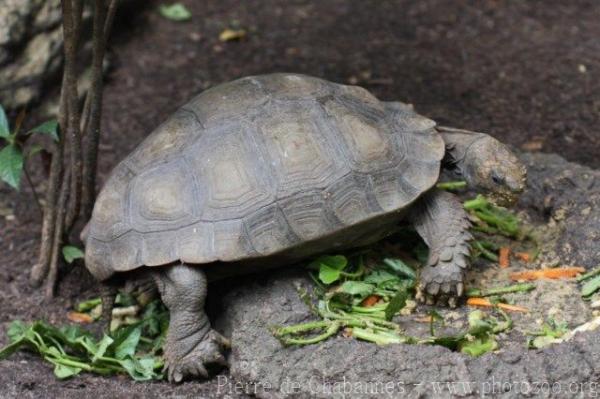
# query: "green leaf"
175,12
4,127
70,253
61,371
338,262
16,330
14,346
591,286
328,274
396,304
379,277
11,165
127,344
400,267
88,305
102,347
139,369
356,288
478,346
49,127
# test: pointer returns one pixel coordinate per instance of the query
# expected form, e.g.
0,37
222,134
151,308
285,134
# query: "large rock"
561,194
30,49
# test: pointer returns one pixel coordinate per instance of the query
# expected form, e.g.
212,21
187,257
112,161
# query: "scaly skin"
441,221
191,346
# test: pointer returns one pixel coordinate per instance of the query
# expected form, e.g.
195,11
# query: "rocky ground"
260,362
523,71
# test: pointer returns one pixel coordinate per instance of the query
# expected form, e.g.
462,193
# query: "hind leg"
191,343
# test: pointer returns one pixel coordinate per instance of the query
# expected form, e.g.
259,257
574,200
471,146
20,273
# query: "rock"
569,195
345,367
30,49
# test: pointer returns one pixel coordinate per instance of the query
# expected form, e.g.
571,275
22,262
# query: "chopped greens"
550,333
341,306
134,349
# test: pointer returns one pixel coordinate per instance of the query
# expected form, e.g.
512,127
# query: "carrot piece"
483,302
524,256
371,300
503,258
562,272
512,308
77,317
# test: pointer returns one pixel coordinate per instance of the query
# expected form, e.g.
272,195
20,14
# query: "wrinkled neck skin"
458,142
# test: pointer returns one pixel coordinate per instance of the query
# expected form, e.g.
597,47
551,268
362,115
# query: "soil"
526,72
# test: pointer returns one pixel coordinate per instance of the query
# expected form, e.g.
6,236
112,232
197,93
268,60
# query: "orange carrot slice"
503,258
371,300
77,317
483,302
562,272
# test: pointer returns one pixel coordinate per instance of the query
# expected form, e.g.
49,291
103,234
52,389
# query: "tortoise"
267,170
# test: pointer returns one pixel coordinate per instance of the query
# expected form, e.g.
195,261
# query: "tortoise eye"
497,179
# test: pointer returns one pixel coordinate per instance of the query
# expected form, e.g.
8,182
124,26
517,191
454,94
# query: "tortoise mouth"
504,199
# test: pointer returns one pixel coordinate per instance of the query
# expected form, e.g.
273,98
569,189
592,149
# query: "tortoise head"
491,167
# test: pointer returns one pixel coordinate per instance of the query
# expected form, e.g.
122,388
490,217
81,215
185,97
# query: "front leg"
441,221
191,343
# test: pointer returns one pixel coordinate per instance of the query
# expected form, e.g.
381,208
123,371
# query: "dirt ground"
527,72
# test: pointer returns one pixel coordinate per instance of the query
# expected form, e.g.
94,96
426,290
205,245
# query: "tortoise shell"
261,166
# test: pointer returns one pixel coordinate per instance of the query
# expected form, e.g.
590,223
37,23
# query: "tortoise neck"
457,143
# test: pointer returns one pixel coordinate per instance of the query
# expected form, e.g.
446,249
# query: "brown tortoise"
267,170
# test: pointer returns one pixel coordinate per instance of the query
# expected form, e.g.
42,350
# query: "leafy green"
358,288
592,285
550,332
330,267
4,127
400,267
49,127
396,304
480,336
70,253
72,350
175,12
11,165
494,219
452,185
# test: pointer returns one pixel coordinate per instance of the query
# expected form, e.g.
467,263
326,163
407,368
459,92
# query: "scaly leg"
444,226
191,344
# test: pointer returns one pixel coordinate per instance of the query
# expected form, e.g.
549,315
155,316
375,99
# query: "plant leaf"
396,304
356,288
400,267
126,347
4,127
11,165
379,277
338,262
139,369
175,12
591,286
49,127
102,346
71,252
328,274
478,346
61,371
